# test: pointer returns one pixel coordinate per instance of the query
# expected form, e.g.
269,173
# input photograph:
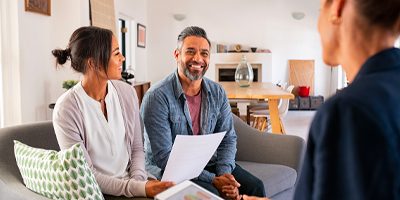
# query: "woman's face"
116,59
329,33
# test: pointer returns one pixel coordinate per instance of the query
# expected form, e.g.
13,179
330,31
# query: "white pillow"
57,175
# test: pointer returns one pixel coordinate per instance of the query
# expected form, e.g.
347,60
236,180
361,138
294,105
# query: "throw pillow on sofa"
57,175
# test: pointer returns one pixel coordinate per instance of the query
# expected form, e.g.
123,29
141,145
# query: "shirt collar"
178,91
385,60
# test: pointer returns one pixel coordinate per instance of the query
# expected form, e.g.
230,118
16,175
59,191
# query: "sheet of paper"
189,155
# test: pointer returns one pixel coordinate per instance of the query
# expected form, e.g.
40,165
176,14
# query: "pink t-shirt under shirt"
194,103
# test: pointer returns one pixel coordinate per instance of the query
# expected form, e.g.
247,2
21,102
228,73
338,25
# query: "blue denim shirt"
165,113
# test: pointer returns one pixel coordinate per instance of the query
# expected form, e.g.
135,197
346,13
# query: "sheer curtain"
1,70
10,92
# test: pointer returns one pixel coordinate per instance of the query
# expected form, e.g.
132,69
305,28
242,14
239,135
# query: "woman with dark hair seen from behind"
102,114
353,149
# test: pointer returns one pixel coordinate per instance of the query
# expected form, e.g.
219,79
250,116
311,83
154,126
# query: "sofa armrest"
256,146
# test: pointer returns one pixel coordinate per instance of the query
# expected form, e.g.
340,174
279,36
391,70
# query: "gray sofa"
275,159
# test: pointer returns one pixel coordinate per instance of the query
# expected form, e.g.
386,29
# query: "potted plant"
69,84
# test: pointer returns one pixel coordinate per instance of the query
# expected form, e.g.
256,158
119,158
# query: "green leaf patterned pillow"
57,175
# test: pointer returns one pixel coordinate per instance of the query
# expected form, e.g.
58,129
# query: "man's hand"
153,187
227,186
231,192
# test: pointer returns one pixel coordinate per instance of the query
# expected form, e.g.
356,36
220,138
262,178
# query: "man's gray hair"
192,31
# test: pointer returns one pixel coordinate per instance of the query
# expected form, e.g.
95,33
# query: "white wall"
260,23
41,83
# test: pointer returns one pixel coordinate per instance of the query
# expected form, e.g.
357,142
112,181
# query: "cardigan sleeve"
69,130
134,124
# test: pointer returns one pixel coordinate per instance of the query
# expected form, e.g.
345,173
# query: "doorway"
126,34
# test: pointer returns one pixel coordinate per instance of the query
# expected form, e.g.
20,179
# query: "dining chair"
261,117
261,104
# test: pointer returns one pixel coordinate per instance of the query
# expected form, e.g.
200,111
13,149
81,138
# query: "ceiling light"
298,15
179,17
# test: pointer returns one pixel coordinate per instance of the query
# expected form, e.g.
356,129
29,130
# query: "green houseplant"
69,84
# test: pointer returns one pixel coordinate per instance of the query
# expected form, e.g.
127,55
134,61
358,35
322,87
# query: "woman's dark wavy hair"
86,43
382,13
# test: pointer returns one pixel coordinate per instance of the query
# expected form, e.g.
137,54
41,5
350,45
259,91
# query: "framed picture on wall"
141,35
38,6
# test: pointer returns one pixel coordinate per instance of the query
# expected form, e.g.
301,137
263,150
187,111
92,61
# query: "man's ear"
176,54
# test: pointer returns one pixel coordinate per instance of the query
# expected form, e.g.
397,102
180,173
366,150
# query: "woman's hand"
153,187
245,197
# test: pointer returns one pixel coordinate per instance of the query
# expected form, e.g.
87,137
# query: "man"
186,103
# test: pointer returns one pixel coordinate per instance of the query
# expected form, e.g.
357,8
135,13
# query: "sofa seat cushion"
57,175
276,178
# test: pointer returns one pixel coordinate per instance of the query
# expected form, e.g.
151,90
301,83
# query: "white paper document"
189,155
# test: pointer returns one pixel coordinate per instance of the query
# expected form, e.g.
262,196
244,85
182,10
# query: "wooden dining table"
260,90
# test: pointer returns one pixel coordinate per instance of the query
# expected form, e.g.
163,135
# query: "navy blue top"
353,149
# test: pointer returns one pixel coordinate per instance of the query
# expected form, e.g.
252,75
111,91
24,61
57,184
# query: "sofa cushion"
57,175
276,178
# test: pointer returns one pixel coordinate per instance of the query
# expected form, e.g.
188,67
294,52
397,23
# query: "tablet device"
187,190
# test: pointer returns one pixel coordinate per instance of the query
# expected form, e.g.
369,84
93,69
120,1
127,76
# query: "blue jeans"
249,184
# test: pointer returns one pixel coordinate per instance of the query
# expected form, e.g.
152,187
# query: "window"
10,96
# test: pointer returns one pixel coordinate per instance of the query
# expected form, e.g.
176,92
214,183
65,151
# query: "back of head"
86,43
382,13
192,31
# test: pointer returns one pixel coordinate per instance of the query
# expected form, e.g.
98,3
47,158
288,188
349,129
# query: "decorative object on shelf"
38,6
244,73
221,48
141,35
253,49
238,48
264,51
69,84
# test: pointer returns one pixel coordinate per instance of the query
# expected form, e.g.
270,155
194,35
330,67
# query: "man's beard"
194,76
